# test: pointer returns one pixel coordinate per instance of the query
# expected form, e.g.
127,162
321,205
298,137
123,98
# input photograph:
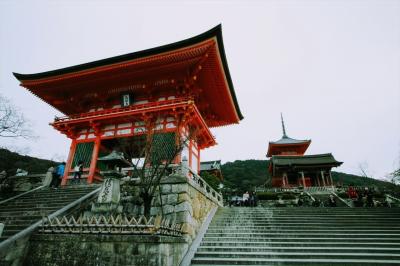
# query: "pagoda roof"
63,87
286,140
299,146
116,158
326,159
210,165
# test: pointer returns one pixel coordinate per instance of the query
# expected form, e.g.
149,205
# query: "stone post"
49,176
323,178
185,167
330,177
304,180
285,183
109,196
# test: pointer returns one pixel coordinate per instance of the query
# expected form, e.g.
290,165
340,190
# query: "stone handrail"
342,200
198,182
6,244
393,198
20,195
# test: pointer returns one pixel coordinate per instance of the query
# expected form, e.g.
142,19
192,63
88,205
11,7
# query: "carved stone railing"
120,224
198,182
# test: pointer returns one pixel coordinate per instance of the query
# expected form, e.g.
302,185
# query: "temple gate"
173,89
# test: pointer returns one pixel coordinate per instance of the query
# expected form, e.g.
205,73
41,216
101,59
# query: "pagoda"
289,167
172,88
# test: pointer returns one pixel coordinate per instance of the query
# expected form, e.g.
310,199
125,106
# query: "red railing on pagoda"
122,111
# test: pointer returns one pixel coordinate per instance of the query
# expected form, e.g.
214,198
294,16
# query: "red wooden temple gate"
172,88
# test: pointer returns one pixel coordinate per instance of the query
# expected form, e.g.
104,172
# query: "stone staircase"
20,213
301,236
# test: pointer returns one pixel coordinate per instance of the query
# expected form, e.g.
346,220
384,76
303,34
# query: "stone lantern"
109,196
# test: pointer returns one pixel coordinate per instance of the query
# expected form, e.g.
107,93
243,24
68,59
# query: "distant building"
289,167
212,167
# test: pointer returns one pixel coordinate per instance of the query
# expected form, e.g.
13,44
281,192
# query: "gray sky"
331,67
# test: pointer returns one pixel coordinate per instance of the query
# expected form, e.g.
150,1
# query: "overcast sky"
331,67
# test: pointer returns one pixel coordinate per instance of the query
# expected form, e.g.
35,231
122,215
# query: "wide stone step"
313,234
344,222
329,249
309,218
318,226
304,254
52,192
303,239
228,231
32,208
351,211
279,261
21,218
278,243
40,203
302,236
22,212
44,197
33,211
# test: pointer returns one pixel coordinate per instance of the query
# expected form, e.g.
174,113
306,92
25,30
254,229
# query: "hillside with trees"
240,175
11,161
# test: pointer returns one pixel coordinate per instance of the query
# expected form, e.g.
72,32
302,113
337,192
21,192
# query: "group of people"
361,198
247,200
58,173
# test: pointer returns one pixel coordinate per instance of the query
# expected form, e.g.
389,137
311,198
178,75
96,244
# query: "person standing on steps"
246,199
78,169
331,201
57,175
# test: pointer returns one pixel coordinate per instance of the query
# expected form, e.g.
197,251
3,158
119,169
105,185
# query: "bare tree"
364,169
152,153
395,176
12,122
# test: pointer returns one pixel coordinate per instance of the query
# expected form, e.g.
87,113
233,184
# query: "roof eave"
214,32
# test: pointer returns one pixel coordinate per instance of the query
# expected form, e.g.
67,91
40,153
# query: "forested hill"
11,161
238,175
247,174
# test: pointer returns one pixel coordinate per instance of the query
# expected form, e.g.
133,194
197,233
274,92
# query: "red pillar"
69,162
93,162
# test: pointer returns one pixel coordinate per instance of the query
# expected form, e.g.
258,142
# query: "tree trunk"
147,204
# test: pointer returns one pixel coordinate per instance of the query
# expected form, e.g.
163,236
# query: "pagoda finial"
283,127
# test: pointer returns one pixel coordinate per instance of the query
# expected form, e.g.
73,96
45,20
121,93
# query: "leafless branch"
12,122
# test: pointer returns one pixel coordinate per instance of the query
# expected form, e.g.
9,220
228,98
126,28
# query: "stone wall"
185,202
104,250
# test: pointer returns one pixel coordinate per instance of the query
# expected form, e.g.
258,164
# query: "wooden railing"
121,110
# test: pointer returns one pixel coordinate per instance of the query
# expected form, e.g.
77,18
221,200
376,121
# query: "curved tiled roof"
27,80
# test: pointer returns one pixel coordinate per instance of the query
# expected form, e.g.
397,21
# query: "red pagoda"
176,87
289,167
